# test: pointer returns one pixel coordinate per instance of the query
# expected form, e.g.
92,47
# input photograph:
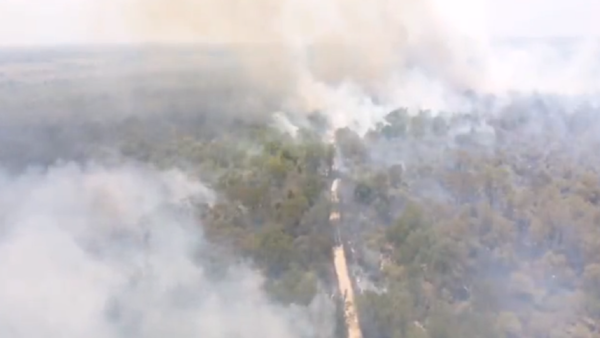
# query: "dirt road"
341,269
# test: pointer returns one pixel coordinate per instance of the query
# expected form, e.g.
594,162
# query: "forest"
459,225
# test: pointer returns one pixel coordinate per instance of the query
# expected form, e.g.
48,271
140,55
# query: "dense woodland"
459,225
477,226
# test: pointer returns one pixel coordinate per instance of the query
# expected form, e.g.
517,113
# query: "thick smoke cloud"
355,60
314,47
106,252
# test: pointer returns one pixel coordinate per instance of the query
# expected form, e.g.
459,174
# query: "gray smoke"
354,60
106,252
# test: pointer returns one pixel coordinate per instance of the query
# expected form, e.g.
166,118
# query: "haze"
57,22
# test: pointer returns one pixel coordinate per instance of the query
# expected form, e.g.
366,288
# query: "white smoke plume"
355,60
106,252
315,48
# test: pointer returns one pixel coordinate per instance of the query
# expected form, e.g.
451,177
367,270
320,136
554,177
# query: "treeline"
459,226
476,226
272,208
273,199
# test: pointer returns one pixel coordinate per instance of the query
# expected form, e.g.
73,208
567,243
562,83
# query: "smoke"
107,252
355,60
95,251
315,48
568,68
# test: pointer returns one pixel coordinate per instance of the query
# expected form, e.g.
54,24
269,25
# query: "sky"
544,17
33,22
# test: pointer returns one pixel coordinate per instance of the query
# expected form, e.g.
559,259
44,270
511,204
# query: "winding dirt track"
341,269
